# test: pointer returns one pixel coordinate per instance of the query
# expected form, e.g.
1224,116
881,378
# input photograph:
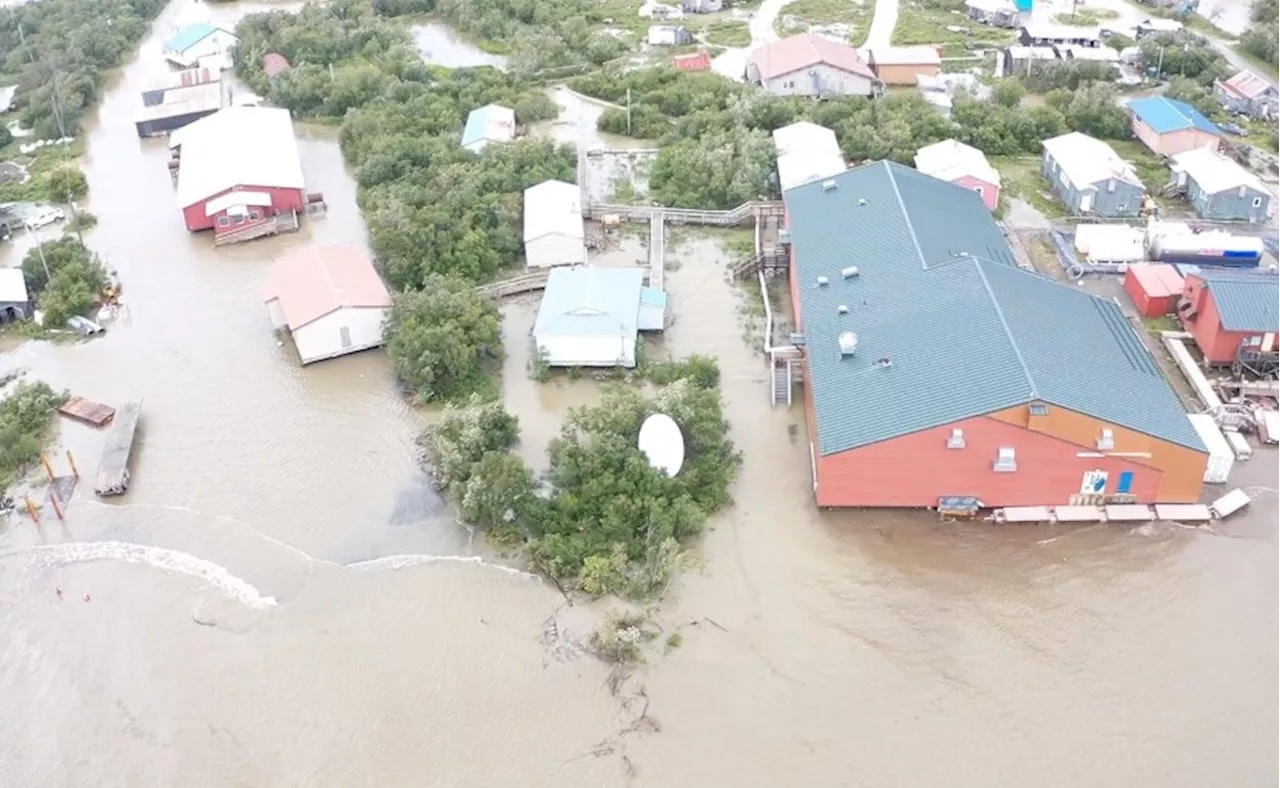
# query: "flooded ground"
439,44
294,618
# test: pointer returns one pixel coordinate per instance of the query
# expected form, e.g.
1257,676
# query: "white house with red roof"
810,65
964,165
329,298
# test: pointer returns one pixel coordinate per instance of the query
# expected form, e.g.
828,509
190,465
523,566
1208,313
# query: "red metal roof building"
236,167
1231,313
692,61
1154,288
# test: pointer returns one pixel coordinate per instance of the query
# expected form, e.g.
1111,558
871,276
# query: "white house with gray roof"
591,317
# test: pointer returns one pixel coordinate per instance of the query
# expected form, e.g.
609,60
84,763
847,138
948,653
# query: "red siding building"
1227,311
934,366
237,167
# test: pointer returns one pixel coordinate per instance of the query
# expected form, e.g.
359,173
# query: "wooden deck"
113,471
87,411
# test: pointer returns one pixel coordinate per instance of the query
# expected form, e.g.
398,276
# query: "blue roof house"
490,123
1169,127
591,317
194,42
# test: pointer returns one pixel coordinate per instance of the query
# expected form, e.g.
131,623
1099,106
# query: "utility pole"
628,112
1160,65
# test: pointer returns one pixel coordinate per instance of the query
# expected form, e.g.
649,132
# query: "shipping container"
1239,444
1154,288
1221,456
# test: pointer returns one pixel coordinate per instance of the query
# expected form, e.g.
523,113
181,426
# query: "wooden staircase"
781,380
272,225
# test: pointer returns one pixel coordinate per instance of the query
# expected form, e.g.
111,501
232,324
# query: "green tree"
1262,39
497,491
1092,109
445,340
68,183
75,278
1009,93
26,414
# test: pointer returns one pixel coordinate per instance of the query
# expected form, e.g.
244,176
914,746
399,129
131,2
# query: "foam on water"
394,562
155,557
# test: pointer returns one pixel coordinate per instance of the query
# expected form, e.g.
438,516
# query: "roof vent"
884,362
828,185
823,281
862,201
849,272
848,343
842,309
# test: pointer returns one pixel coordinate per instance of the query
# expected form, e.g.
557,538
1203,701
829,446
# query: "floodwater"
439,44
274,603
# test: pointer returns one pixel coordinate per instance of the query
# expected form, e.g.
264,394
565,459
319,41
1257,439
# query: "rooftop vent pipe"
862,201
849,272
848,343
828,186
842,309
823,281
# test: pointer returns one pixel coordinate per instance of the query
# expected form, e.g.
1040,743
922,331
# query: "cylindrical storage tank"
1235,251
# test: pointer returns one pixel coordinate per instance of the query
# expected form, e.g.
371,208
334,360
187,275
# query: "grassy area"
1161,323
728,33
1257,63
1020,178
1086,17
943,22
803,14
1152,170
40,166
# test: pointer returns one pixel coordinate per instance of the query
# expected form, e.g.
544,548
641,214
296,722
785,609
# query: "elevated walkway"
272,225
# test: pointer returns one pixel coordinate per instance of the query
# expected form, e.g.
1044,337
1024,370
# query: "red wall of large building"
915,470
282,200
1217,345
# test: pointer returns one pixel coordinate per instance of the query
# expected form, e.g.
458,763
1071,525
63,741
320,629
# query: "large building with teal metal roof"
935,366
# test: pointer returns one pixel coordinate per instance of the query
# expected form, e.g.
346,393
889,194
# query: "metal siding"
283,200
581,350
915,470
1126,200
1228,205
831,80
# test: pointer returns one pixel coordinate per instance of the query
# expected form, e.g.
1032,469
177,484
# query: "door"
345,334
1086,203
1125,485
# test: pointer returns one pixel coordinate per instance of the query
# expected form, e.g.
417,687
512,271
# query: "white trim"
1096,454
220,204
813,466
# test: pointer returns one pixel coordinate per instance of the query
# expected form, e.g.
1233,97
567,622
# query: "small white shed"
15,303
1221,456
589,317
329,298
553,227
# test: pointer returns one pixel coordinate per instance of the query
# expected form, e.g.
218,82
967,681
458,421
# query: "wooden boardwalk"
516,285
113,471
657,250
87,411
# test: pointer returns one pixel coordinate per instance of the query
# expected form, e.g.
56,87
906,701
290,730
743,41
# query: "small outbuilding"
1220,189
1169,127
198,41
997,13
806,152
178,81
1040,34
15,303
490,123
964,165
902,65
1154,288
590,317
1090,177
7,94
329,298
553,227
1250,94
1230,314
692,61
669,36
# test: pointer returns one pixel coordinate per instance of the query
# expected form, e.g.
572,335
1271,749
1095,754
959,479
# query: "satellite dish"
662,443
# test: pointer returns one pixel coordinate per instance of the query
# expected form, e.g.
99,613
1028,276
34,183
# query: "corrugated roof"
1248,85
965,331
492,123
802,51
552,207
1164,115
653,297
587,300
1216,173
905,56
1245,302
1157,280
237,146
951,159
1087,161
6,97
317,280
804,136
189,36
13,288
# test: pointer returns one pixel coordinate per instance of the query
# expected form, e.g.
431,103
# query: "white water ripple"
155,557
393,562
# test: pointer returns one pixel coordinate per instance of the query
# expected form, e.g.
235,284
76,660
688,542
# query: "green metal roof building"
936,366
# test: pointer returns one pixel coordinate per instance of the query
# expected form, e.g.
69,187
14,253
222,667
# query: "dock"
1220,509
87,411
113,471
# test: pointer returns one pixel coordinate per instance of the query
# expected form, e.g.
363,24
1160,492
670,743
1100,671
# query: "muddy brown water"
818,649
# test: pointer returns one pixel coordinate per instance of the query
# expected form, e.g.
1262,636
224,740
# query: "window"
1257,202
956,441
223,221
1241,192
1107,441
1039,409
254,216
1111,185
344,334
1006,461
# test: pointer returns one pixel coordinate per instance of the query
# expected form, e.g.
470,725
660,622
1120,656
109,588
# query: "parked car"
1232,128
44,218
